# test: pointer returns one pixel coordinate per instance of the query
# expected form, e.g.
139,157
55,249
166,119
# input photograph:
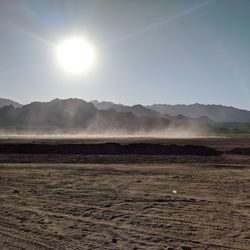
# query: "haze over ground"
78,117
148,51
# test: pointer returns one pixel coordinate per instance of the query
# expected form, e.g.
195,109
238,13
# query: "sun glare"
75,55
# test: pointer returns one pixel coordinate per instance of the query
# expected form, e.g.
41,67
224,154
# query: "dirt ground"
186,205
220,143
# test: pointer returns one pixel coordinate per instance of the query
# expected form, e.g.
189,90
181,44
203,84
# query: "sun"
75,55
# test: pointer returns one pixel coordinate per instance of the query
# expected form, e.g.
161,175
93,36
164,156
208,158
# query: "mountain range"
216,113
79,115
7,102
107,117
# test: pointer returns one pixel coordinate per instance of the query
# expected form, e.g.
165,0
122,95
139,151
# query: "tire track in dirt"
104,209
139,230
111,214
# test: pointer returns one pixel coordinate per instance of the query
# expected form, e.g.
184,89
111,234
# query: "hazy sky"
149,51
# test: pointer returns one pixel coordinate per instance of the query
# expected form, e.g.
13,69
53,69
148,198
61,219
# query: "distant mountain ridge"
107,117
211,112
79,115
138,110
7,102
217,113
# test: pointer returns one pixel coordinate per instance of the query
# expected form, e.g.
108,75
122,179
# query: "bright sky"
160,51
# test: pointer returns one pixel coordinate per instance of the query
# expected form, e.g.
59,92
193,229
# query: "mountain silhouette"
108,117
138,110
217,113
76,114
7,102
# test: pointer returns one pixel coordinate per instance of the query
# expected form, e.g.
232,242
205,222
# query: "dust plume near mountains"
76,116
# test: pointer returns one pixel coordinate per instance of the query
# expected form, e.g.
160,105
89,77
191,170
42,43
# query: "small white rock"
174,191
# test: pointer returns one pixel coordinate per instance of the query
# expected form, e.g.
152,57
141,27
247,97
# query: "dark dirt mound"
108,149
239,151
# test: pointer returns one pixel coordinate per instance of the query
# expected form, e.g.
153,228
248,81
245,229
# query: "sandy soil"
121,206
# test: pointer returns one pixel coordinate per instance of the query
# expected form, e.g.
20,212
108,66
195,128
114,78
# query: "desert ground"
127,201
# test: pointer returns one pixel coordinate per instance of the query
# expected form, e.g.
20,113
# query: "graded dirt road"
124,206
